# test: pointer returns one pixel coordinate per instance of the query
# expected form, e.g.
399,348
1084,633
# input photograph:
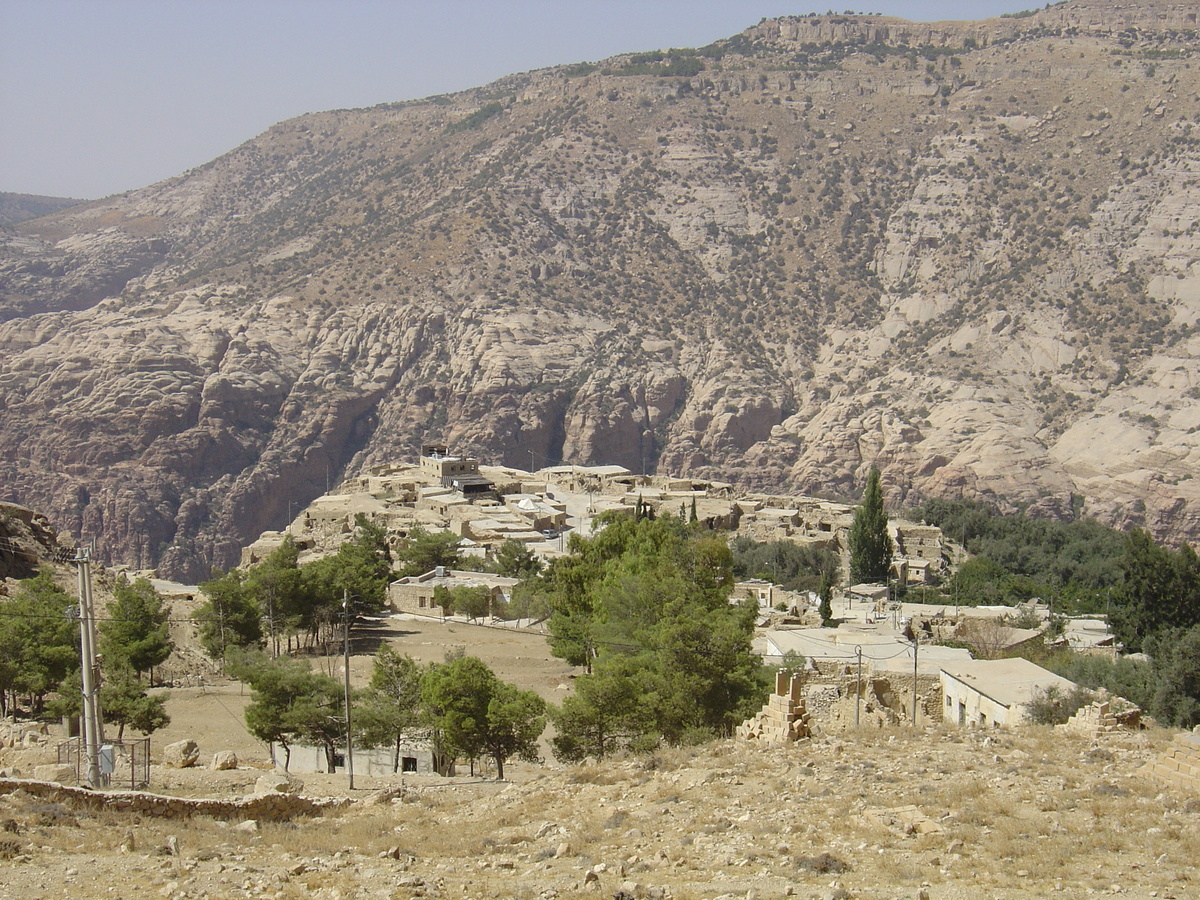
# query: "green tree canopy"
426,550
514,559
792,566
1159,591
280,593
645,603
390,709
136,633
478,714
290,703
230,618
39,641
870,543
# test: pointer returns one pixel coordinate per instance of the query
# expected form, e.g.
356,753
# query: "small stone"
250,826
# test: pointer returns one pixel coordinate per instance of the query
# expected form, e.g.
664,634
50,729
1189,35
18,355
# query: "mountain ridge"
971,262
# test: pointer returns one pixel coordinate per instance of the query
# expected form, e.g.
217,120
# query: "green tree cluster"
1016,557
290,703
643,604
424,551
136,634
1159,590
460,706
289,606
477,714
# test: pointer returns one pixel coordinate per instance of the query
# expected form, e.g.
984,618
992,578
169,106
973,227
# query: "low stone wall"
265,807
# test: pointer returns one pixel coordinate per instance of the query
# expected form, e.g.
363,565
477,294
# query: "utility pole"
916,644
858,689
93,716
346,659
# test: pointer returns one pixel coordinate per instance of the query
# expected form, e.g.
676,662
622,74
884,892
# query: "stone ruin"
784,718
1101,717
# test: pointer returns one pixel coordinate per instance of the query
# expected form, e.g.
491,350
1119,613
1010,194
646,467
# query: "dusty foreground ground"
879,814
1007,816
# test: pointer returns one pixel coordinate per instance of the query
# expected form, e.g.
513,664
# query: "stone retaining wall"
267,807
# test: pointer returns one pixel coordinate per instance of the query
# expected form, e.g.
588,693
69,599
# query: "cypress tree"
870,545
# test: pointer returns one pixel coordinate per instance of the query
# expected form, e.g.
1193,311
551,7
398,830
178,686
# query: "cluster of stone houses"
487,505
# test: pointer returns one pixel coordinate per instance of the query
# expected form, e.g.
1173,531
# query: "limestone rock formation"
966,253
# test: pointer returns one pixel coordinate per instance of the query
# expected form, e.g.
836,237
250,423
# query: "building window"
420,602
408,764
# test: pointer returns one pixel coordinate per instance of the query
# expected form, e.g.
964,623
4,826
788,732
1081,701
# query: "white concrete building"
994,692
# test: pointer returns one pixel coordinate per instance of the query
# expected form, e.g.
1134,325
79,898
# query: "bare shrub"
824,864
1054,706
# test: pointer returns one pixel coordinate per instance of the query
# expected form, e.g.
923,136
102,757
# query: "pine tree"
870,544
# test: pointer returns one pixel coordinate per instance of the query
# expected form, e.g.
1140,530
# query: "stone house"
415,593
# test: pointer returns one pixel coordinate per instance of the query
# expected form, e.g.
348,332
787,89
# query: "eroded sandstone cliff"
968,253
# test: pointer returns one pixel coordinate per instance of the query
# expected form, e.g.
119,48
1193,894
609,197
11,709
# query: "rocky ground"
882,814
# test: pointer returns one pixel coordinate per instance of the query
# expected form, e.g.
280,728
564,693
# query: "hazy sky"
101,96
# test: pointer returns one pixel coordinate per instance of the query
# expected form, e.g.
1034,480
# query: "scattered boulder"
181,754
54,772
224,760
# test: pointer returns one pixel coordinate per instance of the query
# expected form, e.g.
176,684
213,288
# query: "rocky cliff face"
968,254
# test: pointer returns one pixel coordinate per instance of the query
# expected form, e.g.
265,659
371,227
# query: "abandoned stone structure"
784,718
1101,717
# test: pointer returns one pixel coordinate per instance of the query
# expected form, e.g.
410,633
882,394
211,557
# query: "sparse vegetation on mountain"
824,243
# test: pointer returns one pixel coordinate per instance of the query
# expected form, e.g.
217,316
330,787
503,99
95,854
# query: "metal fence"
121,762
